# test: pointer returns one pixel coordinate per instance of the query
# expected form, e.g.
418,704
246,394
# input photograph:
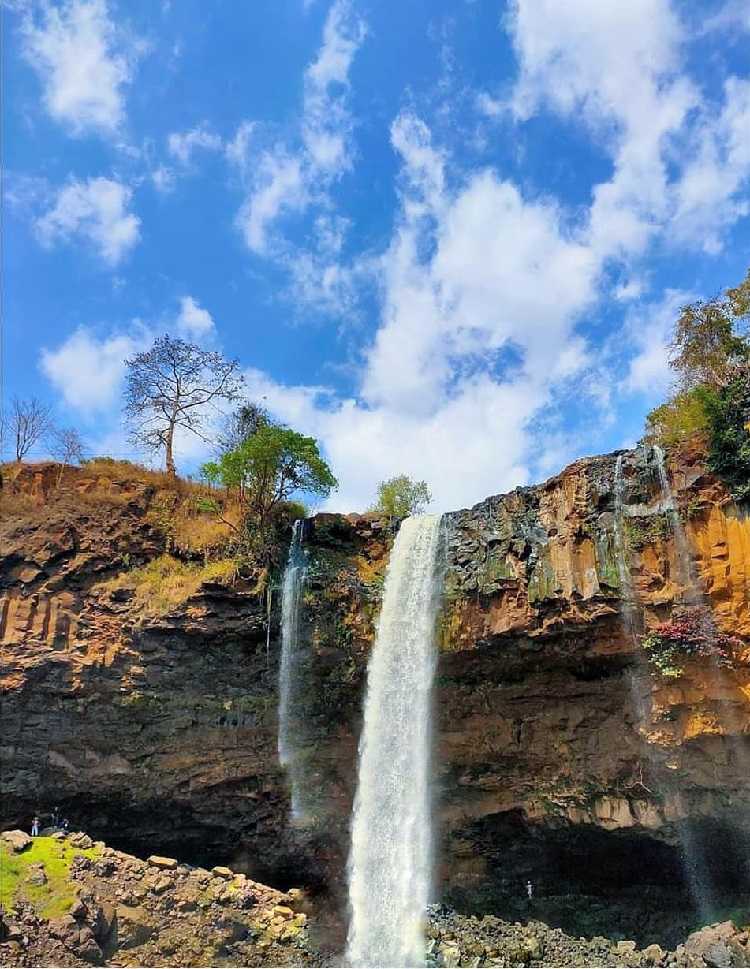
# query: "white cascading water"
291,668
390,863
623,566
684,561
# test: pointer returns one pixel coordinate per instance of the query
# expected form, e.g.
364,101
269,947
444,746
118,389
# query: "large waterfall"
294,661
390,862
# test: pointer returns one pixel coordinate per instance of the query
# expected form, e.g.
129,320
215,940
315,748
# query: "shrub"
690,633
166,583
681,419
729,435
643,530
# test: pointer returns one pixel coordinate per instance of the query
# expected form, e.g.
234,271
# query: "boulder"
17,840
159,861
133,926
222,872
653,954
36,875
80,840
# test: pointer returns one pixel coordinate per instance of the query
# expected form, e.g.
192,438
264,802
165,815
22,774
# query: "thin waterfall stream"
292,676
390,863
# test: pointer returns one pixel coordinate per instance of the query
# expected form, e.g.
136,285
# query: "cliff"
558,741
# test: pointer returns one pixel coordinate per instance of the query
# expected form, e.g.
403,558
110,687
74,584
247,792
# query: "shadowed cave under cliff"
622,884
625,884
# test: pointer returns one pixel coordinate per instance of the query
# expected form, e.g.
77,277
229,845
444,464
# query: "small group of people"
57,822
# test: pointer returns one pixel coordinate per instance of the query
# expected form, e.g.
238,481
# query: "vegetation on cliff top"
710,354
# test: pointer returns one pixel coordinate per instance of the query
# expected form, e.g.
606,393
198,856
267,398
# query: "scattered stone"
80,840
653,954
17,840
158,861
36,875
222,872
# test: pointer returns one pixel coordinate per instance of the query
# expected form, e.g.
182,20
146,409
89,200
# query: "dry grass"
166,583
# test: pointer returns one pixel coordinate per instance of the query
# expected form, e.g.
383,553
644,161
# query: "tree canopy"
400,496
175,384
266,469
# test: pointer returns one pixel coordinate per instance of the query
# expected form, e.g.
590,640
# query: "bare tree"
29,421
240,425
66,445
175,384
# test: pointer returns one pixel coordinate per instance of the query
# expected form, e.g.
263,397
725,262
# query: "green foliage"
264,471
57,895
643,530
690,633
165,582
679,419
729,435
707,346
400,496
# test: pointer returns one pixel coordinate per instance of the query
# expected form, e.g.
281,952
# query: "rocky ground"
86,904
70,901
456,940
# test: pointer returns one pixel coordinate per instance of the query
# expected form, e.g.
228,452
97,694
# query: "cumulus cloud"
87,370
680,161
83,61
183,144
481,289
194,322
290,177
95,210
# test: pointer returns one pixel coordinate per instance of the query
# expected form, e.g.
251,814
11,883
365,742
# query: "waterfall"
292,670
684,563
391,852
623,566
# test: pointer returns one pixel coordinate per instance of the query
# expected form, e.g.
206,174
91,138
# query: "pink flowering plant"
690,633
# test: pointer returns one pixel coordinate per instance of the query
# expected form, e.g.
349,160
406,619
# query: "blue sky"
446,238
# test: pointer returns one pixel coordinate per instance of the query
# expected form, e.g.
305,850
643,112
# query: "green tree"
728,413
708,345
264,471
400,496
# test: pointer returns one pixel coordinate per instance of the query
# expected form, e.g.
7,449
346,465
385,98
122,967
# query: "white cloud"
193,321
680,161
711,193
617,66
182,144
289,178
97,211
237,150
481,289
163,178
88,371
84,62
281,188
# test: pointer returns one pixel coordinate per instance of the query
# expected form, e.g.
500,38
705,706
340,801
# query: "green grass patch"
50,900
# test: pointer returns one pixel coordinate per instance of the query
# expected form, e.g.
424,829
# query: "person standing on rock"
35,827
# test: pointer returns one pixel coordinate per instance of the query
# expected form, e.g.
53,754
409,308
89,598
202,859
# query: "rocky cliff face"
557,742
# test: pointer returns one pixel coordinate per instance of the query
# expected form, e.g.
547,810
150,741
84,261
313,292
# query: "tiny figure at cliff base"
529,890
35,827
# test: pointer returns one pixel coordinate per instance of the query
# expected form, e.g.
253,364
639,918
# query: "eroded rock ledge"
555,739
